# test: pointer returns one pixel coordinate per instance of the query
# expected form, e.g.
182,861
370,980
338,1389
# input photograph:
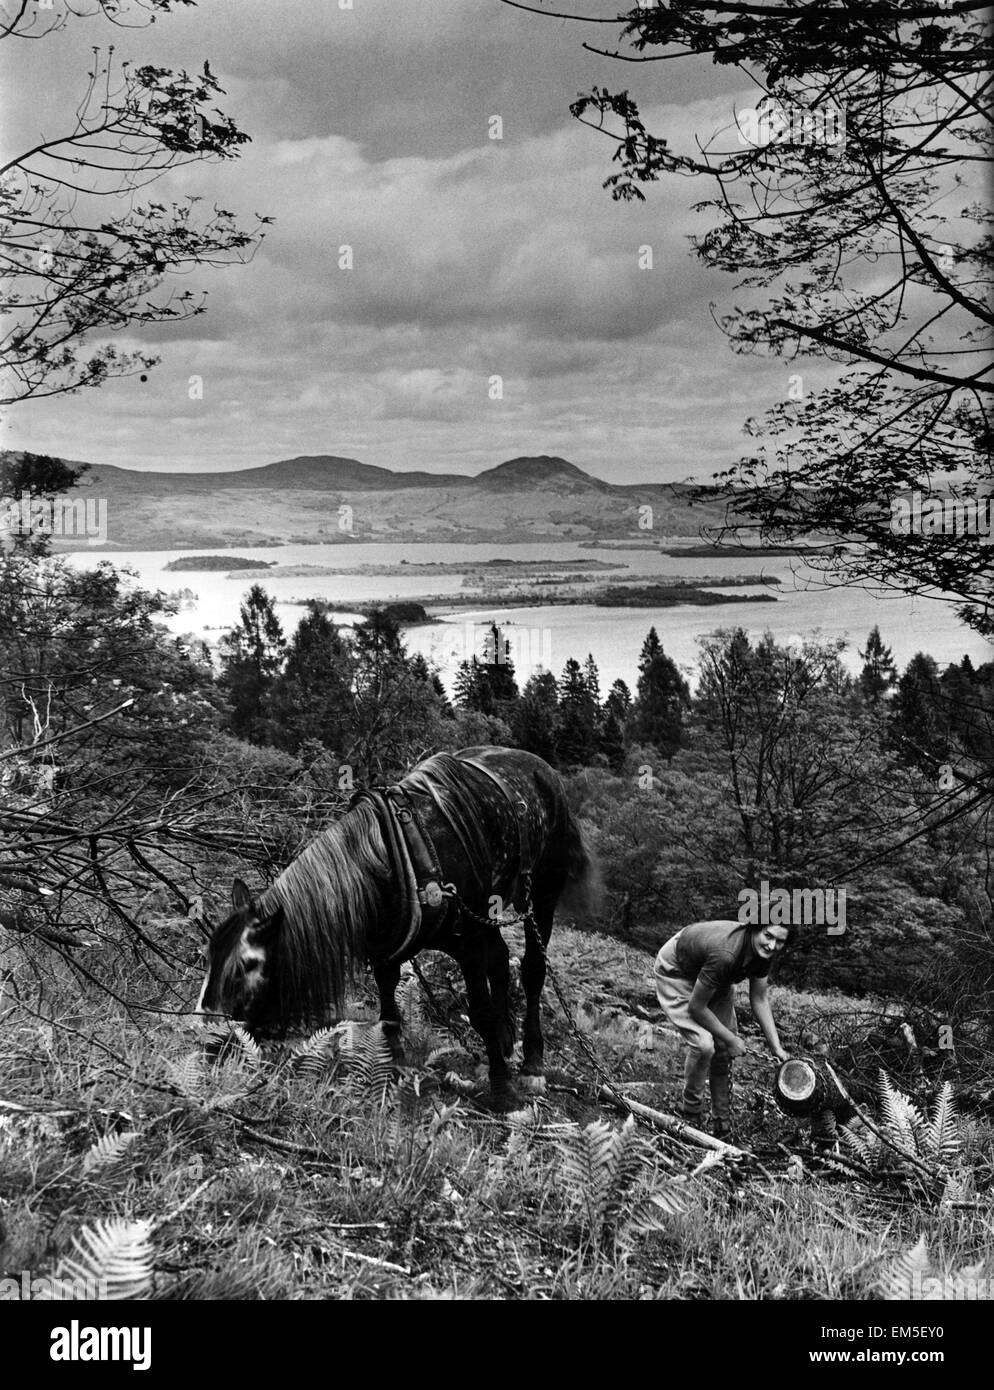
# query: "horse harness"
426,896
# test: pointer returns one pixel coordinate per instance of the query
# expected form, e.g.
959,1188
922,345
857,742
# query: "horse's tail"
583,895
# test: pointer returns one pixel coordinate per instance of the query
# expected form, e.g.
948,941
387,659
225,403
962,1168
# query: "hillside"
297,501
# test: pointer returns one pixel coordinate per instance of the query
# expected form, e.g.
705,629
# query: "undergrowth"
179,1162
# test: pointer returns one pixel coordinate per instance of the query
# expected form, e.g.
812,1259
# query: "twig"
161,1221
67,733
373,1260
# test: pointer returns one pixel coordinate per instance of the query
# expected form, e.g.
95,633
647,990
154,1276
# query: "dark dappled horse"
427,865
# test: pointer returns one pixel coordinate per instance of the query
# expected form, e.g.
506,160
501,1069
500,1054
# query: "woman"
696,973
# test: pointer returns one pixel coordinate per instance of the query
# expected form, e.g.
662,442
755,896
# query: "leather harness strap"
425,898
524,839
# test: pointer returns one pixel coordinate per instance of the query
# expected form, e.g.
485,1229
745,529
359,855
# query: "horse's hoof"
535,1085
503,1102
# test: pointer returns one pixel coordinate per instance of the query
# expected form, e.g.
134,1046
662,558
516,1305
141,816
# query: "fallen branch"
670,1124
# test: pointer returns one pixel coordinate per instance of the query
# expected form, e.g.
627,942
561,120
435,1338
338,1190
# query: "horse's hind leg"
499,975
537,932
387,977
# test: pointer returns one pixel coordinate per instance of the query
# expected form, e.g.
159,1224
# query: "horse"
430,863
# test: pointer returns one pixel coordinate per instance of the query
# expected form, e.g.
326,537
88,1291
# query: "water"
549,635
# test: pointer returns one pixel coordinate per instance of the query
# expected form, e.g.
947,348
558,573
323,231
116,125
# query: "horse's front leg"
387,977
499,975
488,1021
537,933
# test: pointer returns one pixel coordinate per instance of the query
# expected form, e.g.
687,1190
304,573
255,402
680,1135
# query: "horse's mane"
330,897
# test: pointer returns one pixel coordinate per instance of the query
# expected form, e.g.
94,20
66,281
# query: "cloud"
470,257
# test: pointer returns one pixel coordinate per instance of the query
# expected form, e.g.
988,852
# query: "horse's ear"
241,898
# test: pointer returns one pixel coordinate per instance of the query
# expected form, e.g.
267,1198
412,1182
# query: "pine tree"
662,695
577,726
396,707
919,723
534,717
651,649
251,658
619,702
878,675
486,684
312,699
611,741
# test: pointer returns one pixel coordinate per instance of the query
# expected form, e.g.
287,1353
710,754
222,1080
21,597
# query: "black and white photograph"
430,869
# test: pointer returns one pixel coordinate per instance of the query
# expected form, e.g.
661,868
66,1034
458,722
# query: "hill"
327,498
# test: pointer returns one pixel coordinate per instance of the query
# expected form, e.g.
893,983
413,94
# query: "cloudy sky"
473,256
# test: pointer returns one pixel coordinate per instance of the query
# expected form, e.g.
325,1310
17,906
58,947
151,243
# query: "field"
218,1172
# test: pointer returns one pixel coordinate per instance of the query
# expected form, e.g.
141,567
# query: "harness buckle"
433,894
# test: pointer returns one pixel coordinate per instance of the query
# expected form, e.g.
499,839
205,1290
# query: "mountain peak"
536,470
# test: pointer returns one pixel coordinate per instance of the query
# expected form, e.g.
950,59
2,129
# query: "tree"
398,714
968,701
487,684
576,735
878,674
841,195
31,478
72,268
534,717
619,701
82,645
611,741
592,680
312,697
251,658
919,722
661,697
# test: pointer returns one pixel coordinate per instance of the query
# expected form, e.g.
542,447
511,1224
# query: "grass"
282,1177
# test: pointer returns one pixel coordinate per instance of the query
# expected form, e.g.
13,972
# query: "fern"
865,1152
319,1053
942,1139
935,1142
606,1173
250,1049
187,1075
902,1120
599,1166
371,1063
906,1275
108,1150
656,1211
229,1041
113,1260
410,1003
189,1078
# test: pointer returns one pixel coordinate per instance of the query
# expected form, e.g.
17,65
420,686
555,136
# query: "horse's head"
241,967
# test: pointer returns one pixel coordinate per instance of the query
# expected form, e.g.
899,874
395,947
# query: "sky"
473,257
